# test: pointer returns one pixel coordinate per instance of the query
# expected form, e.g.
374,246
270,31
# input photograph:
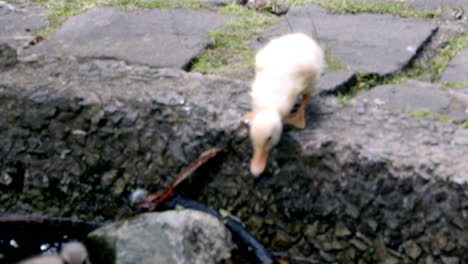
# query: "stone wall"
79,135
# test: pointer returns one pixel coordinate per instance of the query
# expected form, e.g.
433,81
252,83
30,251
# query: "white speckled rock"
186,236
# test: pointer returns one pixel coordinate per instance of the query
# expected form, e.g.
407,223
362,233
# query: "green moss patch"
422,113
433,66
455,84
439,62
428,69
332,62
229,51
464,124
426,112
345,98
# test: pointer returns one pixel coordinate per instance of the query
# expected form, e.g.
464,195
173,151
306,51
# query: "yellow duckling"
285,68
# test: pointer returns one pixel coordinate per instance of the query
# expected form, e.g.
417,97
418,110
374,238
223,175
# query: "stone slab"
457,70
78,136
415,96
370,43
158,37
18,27
408,97
334,82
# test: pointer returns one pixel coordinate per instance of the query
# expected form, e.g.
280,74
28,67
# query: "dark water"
22,237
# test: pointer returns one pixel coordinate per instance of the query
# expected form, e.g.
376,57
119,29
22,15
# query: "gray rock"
461,137
342,231
185,236
390,260
358,244
8,57
158,37
334,82
357,40
18,27
450,260
311,231
412,249
5,178
348,256
457,70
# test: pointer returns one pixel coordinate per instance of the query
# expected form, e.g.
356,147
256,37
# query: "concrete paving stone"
457,70
333,81
158,37
18,26
369,43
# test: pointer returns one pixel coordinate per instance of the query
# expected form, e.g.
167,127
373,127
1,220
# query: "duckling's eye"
269,139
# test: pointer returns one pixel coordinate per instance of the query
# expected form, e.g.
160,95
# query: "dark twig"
282,257
155,199
19,218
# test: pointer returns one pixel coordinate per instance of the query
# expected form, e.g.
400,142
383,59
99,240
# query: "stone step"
79,135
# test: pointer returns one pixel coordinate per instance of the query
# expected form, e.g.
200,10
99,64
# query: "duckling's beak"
258,162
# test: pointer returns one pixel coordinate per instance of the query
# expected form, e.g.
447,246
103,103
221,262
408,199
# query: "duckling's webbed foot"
249,116
297,119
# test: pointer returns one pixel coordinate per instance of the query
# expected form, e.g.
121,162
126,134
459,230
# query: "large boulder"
183,237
